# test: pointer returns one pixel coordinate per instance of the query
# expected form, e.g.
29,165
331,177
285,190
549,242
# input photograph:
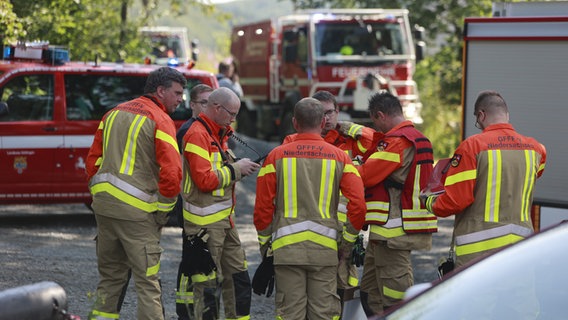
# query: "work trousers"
387,273
122,247
231,278
306,292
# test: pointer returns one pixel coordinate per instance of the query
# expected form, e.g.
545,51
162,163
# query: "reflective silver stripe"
393,223
124,186
378,205
342,208
305,226
209,210
493,233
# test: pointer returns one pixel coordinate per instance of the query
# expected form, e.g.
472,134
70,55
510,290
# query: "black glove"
358,254
445,266
263,279
199,257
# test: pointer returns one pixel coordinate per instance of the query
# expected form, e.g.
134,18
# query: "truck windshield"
360,38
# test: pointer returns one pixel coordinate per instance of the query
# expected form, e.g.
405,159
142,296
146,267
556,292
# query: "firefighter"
210,173
394,171
198,97
355,140
490,183
134,172
296,216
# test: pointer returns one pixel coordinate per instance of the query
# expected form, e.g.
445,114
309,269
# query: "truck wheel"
246,122
286,126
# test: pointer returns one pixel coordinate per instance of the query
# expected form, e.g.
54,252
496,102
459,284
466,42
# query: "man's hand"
247,166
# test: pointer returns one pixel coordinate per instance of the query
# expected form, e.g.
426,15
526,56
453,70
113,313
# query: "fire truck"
521,53
170,45
349,52
50,109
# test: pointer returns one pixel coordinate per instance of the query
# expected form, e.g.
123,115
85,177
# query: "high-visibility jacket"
209,176
394,172
489,187
355,140
133,165
297,198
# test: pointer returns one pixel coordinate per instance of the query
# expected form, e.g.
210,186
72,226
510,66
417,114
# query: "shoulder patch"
382,146
456,160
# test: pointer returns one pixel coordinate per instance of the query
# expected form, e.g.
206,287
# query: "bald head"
308,115
222,106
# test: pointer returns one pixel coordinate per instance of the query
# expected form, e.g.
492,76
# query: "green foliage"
11,27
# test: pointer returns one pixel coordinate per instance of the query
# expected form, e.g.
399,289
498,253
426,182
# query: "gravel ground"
55,243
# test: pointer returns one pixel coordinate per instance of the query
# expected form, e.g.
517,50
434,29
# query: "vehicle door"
30,137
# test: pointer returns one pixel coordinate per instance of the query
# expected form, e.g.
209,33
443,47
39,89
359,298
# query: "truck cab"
49,112
349,52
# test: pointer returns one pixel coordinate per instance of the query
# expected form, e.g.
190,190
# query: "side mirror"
4,110
194,49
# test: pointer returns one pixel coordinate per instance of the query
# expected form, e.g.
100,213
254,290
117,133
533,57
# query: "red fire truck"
349,52
49,111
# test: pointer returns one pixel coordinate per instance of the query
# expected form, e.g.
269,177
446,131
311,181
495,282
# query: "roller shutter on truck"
525,59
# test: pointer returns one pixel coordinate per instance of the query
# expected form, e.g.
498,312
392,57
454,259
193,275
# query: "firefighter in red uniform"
355,140
490,183
296,214
210,173
134,172
394,171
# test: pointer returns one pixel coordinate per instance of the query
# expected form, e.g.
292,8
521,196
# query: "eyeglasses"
232,114
329,113
201,102
477,124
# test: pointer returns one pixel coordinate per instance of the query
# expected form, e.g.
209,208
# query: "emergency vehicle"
170,45
521,53
349,52
50,109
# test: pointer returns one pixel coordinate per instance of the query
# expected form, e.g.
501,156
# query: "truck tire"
246,122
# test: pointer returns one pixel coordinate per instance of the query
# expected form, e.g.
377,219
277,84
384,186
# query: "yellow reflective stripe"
304,236
387,233
349,237
541,167
460,177
263,239
360,146
129,154
239,318
341,216
105,314
203,220
195,149
162,206
99,161
493,192
266,170
530,159
391,293
217,164
167,138
187,182
107,129
183,296
352,281
153,270
200,277
101,125
487,244
387,156
326,178
290,188
354,129
349,168
124,197
416,188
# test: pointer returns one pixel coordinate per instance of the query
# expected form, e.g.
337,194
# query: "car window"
89,97
29,98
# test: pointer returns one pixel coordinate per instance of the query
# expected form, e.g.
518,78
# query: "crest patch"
456,160
382,146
